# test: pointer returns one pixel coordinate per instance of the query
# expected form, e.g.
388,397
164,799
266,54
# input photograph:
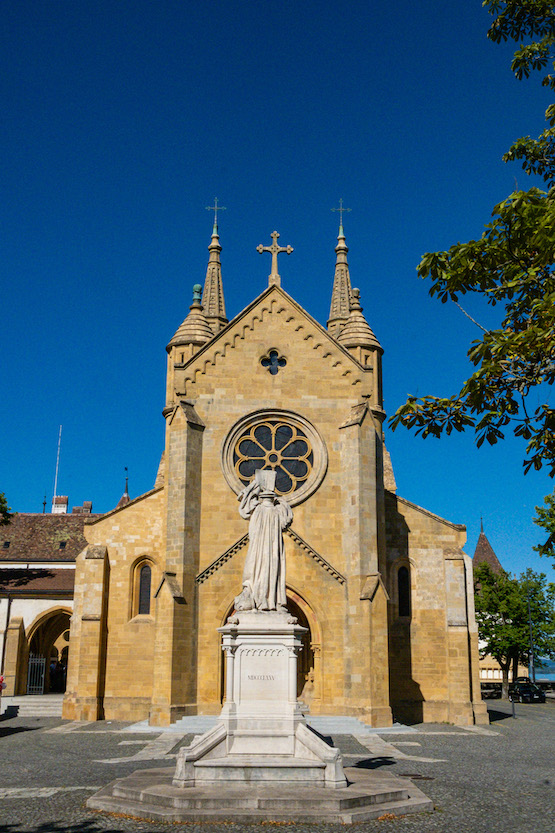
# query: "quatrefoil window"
280,441
273,361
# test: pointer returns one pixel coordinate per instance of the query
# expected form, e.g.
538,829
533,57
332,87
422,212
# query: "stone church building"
382,585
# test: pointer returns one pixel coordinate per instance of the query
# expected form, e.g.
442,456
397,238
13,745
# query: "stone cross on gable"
274,277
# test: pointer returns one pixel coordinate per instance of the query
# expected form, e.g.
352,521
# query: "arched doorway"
305,660
48,654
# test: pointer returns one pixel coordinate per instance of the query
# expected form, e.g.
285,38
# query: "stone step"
149,794
195,724
262,769
324,724
262,796
33,705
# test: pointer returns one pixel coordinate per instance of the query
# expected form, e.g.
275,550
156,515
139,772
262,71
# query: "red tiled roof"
33,538
36,580
484,554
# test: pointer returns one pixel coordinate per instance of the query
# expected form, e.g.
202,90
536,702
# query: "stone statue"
264,571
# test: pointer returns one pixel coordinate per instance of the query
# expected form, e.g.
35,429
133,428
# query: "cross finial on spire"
274,277
126,480
341,210
215,208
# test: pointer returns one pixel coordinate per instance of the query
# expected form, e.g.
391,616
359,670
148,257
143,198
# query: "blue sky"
124,119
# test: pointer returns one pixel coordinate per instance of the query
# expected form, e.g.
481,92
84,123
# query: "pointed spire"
195,330
124,499
357,331
213,294
484,554
341,292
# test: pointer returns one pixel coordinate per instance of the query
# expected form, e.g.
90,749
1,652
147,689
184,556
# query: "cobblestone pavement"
482,780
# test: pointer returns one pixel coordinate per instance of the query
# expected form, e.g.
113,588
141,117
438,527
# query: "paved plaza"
499,779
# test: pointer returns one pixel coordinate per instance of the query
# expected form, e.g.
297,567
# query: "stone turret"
357,337
213,294
341,292
193,334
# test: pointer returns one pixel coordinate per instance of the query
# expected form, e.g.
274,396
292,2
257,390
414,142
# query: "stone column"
84,699
366,628
15,643
174,673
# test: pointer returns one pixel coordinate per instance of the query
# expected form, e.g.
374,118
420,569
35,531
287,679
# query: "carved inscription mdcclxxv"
261,677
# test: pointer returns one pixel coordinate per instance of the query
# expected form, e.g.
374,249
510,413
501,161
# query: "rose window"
278,440
278,446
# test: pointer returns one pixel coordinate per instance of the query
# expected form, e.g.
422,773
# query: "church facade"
382,586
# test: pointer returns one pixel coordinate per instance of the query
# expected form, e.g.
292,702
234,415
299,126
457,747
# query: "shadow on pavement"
5,731
85,826
495,715
11,711
374,763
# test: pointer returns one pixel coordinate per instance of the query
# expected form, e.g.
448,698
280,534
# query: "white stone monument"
261,761
262,734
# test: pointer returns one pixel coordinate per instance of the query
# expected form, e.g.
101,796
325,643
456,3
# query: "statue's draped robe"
264,572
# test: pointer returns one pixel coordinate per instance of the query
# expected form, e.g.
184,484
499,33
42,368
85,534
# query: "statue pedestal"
262,734
261,762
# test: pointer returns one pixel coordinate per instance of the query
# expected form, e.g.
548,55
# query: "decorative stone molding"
242,542
358,412
173,586
370,587
322,342
96,551
222,559
316,556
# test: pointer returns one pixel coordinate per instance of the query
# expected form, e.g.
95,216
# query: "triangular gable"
133,502
242,542
268,303
403,500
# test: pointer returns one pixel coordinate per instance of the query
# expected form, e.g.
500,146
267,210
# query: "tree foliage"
546,519
519,20
502,614
511,264
5,511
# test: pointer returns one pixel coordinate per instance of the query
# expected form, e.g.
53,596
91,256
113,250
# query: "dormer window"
63,545
6,545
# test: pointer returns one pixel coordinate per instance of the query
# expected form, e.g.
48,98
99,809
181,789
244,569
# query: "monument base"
261,762
262,736
370,794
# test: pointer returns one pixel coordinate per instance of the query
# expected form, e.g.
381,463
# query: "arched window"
403,591
145,577
143,573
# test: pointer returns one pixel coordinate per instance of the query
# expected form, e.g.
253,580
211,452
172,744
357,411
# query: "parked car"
526,693
490,691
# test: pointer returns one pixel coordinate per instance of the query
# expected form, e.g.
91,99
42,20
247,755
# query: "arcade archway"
48,654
